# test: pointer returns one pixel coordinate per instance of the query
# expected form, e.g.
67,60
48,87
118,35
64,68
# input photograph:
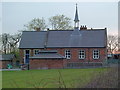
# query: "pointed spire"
76,15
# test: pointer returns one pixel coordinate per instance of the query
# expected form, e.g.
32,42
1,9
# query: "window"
81,54
67,54
36,52
95,54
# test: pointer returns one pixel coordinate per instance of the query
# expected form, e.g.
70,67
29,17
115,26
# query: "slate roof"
5,57
48,51
64,38
33,39
48,56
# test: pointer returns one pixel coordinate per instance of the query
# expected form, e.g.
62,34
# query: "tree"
119,43
0,44
60,22
10,42
13,41
36,24
112,43
5,42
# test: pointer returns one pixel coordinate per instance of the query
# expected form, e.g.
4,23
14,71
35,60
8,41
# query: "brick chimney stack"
38,29
48,29
83,27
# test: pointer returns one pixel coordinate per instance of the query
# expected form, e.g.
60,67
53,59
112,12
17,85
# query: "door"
27,54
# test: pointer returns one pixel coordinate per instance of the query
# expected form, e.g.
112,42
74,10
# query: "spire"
76,15
76,20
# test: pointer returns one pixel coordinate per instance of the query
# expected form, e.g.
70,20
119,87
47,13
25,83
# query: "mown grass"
52,78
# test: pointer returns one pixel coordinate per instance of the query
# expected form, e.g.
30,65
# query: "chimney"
48,29
38,29
83,27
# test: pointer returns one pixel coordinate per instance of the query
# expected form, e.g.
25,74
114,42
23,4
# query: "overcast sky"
91,14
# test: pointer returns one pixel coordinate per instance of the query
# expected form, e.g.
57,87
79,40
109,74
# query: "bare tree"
60,22
118,43
1,43
5,42
10,42
112,43
13,41
36,24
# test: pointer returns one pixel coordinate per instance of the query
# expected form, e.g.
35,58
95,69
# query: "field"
52,78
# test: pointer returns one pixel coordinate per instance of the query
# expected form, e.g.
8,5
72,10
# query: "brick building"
6,59
63,48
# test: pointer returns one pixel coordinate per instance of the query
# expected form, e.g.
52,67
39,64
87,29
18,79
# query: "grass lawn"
52,78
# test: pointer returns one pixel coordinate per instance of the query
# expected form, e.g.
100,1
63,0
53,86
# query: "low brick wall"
45,63
3,64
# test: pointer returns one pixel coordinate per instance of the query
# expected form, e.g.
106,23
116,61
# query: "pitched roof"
48,51
33,39
63,38
86,38
6,57
48,56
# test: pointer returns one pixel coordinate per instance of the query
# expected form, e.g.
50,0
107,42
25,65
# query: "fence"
113,61
84,64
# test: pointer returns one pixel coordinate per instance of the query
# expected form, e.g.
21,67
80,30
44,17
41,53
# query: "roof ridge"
67,30
34,31
62,30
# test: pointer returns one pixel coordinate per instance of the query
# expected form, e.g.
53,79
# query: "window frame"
83,56
35,53
67,56
96,56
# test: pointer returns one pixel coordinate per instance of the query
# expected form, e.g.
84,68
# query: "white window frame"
96,56
25,54
67,54
81,56
35,52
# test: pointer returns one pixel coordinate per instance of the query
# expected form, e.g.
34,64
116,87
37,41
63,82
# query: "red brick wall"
88,51
21,51
3,64
0,64
74,55
45,63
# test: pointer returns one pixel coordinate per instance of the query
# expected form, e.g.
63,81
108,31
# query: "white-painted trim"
24,59
98,54
69,55
79,54
29,53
